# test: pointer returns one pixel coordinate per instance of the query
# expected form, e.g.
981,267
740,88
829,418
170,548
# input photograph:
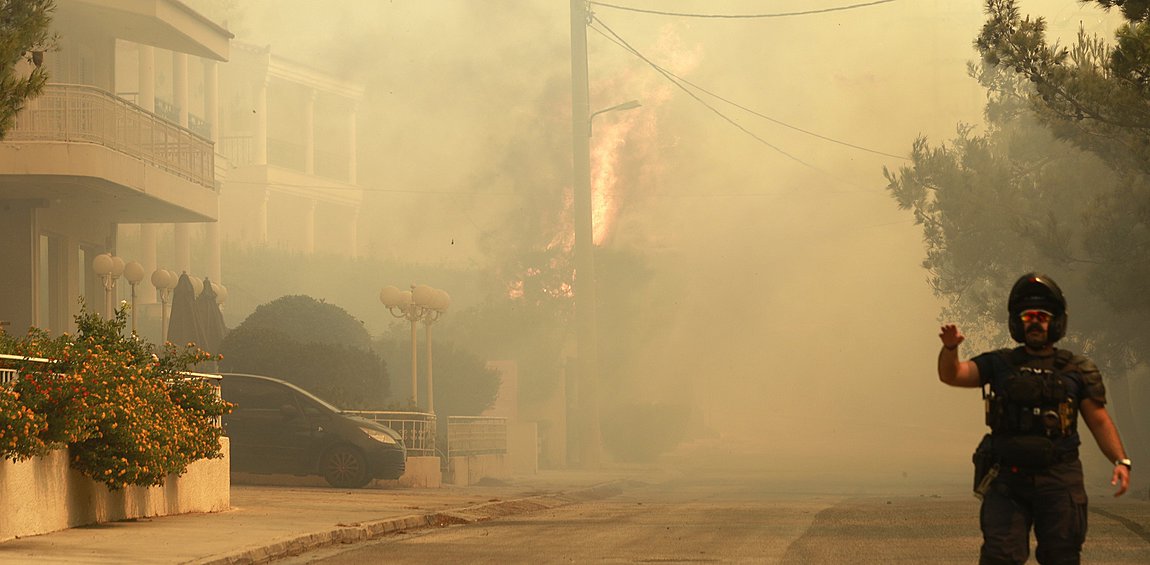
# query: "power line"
615,38
786,125
741,16
782,123
618,40
668,73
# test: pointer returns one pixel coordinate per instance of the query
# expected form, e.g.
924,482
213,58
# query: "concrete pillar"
71,266
19,299
353,147
262,218
261,133
183,248
212,99
212,111
149,262
180,93
146,99
353,234
353,177
180,85
212,230
309,227
309,134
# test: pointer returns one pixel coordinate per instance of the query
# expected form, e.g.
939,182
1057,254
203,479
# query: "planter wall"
43,494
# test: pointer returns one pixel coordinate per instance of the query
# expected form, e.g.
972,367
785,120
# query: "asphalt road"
740,519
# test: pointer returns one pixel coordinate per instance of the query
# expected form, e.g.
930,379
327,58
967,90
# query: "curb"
364,531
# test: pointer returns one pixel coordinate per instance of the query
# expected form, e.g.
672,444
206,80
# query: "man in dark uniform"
1030,474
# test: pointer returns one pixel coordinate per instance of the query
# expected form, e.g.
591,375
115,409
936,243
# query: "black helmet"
1036,291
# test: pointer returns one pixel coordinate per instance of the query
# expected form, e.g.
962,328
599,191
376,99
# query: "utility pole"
588,362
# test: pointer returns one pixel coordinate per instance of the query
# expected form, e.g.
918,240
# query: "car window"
256,395
310,407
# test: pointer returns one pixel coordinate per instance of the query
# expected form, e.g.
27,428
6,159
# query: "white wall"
43,494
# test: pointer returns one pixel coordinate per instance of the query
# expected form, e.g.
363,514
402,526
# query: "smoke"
788,302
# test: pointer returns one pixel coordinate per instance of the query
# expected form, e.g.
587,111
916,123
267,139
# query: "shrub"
348,377
307,320
316,346
125,413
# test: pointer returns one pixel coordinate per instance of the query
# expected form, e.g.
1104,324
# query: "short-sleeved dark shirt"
1082,378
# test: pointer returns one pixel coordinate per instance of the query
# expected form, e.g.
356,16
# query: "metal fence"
416,428
81,113
10,375
476,435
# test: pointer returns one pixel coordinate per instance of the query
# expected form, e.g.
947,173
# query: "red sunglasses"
1036,316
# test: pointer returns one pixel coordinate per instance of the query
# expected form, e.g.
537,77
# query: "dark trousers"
1051,501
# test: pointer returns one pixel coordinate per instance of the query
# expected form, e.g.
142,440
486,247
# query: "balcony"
85,114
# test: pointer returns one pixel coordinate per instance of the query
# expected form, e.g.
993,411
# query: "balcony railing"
239,149
86,114
199,126
167,110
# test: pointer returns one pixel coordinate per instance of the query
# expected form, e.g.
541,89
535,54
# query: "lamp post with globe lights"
134,272
434,302
164,281
109,268
424,303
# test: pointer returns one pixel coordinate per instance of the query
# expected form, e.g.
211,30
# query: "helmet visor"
1035,316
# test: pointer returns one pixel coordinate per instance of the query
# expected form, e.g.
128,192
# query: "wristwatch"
1126,462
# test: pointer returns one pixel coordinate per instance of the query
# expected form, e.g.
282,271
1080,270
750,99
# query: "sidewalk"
274,521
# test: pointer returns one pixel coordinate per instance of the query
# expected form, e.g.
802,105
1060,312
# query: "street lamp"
165,282
424,303
434,302
628,105
109,268
134,272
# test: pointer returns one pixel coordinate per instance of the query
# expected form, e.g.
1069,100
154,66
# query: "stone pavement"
268,522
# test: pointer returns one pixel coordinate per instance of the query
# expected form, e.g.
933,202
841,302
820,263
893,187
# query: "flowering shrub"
126,414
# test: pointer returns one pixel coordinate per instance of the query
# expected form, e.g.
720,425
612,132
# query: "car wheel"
344,467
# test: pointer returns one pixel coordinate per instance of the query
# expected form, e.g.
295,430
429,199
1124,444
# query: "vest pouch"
985,466
1027,452
1026,390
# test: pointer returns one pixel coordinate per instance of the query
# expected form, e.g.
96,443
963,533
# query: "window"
257,395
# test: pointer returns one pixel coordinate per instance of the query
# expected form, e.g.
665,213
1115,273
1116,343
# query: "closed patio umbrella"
183,327
210,319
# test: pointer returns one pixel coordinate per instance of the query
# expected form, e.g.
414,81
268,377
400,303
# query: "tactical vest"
1032,401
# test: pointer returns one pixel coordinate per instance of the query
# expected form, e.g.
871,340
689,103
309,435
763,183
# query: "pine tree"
24,37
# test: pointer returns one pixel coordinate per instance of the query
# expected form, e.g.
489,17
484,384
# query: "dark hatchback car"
278,427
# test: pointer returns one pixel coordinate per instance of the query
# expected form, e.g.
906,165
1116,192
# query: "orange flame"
635,130
605,176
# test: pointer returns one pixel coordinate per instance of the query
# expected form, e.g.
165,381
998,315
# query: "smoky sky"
790,303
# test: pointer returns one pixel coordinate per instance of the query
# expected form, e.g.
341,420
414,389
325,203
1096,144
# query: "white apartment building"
122,138
288,133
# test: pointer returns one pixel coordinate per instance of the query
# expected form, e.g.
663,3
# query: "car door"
269,431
